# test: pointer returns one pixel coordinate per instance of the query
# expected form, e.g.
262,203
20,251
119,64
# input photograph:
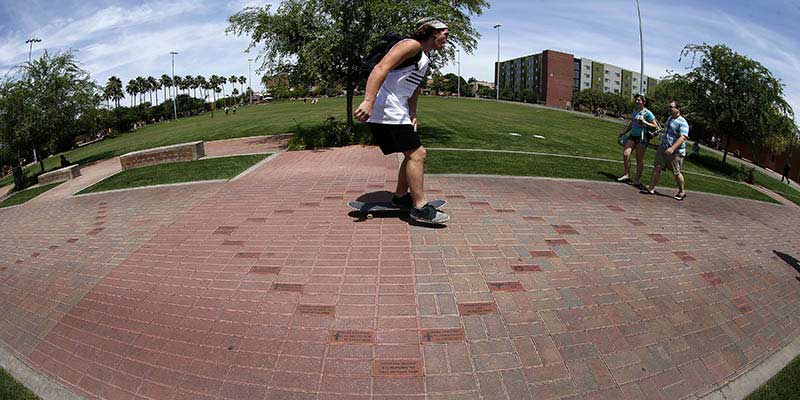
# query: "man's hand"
414,122
669,150
363,112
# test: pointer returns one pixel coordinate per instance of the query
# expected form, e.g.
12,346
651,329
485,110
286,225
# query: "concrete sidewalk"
268,288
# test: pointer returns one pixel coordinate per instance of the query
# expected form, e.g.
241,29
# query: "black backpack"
380,49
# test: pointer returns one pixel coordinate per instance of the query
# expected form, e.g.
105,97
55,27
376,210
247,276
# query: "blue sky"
133,38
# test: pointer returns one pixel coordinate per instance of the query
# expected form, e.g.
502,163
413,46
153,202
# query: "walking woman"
641,120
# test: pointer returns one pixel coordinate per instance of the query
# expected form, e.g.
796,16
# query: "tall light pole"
458,52
497,84
641,50
250,78
31,41
174,89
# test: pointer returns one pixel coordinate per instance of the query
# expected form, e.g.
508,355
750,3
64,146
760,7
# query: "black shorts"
395,138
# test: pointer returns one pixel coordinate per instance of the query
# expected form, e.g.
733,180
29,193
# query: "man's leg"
402,181
679,180
415,178
656,177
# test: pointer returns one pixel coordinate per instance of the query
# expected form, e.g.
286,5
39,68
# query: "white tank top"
391,104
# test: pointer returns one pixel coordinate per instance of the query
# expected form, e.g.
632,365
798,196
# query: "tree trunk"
19,177
725,149
350,88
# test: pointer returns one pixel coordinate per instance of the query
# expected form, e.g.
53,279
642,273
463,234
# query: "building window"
606,89
617,74
634,79
586,84
635,88
587,75
616,90
607,71
608,80
616,83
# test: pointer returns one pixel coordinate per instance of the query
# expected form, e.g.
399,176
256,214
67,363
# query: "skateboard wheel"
369,216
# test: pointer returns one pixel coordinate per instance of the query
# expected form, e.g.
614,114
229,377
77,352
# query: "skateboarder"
390,108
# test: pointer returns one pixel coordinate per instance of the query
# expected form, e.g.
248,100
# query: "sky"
134,38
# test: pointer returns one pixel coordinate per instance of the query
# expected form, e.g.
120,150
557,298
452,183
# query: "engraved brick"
351,337
543,253
397,368
258,269
233,243
565,229
505,286
288,287
224,230
247,254
556,242
635,221
442,335
615,208
481,308
526,268
658,238
315,309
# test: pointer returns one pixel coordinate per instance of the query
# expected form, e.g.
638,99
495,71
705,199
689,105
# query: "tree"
222,81
166,83
737,97
114,90
153,84
142,86
15,125
59,93
242,81
233,79
328,39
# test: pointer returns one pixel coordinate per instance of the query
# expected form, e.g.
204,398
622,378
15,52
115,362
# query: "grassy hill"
447,123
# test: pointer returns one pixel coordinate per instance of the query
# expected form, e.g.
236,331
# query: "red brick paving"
242,290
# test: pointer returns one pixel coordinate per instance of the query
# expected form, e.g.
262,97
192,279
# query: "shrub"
332,133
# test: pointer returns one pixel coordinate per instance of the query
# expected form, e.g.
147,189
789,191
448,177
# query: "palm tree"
214,84
201,84
154,84
132,90
188,80
166,83
242,81
178,84
222,81
233,79
114,90
141,84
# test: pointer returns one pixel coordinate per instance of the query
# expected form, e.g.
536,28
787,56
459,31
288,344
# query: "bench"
62,174
160,155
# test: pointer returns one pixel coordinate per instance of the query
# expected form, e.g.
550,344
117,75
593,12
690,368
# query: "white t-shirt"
391,104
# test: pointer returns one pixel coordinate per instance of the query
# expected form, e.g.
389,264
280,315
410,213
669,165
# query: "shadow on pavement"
793,262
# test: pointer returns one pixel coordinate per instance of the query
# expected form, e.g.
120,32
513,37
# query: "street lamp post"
174,89
641,50
458,52
250,78
31,41
497,75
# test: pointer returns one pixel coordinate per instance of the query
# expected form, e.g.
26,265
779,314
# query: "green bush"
332,133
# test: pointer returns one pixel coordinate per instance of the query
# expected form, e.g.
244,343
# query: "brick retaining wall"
160,155
62,174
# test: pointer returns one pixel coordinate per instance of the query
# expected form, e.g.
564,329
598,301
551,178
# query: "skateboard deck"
368,209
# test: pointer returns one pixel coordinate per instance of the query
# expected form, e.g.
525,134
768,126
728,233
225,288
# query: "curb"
40,384
743,385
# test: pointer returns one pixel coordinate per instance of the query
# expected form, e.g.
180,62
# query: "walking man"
390,108
672,151
786,168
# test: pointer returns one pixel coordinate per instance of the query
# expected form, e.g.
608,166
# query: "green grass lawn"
783,386
199,170
25,195
444,122
10,389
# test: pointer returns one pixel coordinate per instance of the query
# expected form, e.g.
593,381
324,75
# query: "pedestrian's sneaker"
402,201
428,214
623,178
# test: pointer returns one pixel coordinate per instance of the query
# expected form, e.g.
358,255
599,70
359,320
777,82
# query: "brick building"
553,76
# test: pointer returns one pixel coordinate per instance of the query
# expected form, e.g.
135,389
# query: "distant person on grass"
672,151
786,167
390,108
641,119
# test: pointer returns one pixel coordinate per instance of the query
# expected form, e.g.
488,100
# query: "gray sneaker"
428,214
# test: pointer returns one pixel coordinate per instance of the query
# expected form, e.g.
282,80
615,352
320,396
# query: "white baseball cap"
433,22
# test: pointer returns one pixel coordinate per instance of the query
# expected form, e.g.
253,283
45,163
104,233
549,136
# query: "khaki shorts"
672,161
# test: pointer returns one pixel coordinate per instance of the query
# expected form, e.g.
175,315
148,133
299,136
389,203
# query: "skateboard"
369,210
